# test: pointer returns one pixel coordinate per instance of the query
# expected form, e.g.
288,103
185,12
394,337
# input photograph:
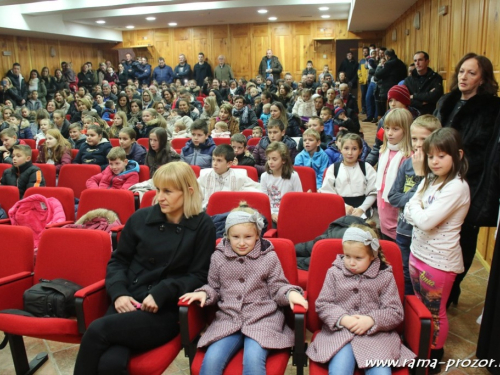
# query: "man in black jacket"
424,84
270,65
18,82
387,75
350,67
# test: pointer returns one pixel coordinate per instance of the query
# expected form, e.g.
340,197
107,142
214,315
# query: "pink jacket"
108,180
35,212
248,291
373,293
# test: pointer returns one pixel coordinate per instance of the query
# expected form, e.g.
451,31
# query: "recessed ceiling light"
150,18
272,18
172,24
325,16
262,11
130,27
100,21
323,8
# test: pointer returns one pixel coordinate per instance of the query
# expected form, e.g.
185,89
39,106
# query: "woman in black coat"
472,108
164,252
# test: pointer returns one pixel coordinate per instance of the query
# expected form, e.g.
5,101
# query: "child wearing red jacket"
119,174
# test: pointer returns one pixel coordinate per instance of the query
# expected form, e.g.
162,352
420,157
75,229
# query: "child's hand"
348,321
348,209
194,296
275,218
357,212
295,298
362,324
2,148
125,304
417,161
6,154
149,304
235,161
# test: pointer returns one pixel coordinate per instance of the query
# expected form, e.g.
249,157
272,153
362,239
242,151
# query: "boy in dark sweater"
242,155
23,173
9,140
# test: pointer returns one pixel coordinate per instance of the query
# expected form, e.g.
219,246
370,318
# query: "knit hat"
401,94
241,217
338,111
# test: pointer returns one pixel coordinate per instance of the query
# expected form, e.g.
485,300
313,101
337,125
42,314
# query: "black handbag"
51,298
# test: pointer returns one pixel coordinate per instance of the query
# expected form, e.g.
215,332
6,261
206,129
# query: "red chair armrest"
417,327
115,234
91,303
59,224
12,288
192,322
271,233
299,358
117,229
5,222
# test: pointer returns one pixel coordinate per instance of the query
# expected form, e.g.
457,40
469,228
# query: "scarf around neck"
242,114
391,167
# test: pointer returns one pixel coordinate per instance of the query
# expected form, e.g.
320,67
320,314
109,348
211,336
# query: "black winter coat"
159,258
24,177
336,229
429,92
86,80
393,71
478,122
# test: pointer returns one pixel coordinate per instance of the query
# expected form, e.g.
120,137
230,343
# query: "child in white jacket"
304,106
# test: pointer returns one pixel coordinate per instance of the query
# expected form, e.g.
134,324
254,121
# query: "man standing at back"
18,82
350,67
202,69
223,71
424,84
145,75
270,66
183,70
163,72
363,77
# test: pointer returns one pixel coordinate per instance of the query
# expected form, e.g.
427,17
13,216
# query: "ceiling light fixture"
262,11
272,18
325,16
172,24
323,8
150,18
130,27
100,21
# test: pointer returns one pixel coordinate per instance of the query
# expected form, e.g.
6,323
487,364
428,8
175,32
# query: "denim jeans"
371,108
220,353
404,243
363,88
344,363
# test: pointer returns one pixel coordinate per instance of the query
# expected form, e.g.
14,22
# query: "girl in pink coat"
360,308
247,283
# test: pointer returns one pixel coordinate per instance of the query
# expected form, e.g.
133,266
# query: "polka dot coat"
373,293
249,291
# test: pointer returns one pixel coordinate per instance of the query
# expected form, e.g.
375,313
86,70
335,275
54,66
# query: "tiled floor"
461,343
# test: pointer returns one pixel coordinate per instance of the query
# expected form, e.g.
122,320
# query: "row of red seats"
81,256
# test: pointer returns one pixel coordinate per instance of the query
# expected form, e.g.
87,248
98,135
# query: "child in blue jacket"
313,155
198,150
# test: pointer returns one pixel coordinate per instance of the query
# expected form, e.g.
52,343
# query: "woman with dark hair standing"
471,107
49,83
86,78
59,82
164,252
292,123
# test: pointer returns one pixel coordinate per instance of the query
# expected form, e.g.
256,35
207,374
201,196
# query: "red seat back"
120,201
41,141
3,167
324,254
196,169
16,251
74,152
75,176
247,132
34,154
224,201
251,171
73,254
62,194
307,178
304,216
30,142
253,141
143,173
144,142
49,173
222,141
147,198
115,142
179,143
9,195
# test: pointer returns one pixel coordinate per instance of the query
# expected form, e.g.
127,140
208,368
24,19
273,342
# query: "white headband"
241,217
359,235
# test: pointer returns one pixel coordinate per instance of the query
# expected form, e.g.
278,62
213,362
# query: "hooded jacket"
24,177
108,180
259,152
94,154
200,155
137,153
248,291
319,162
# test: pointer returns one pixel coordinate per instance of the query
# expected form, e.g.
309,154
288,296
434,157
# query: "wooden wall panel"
244,45
469,26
